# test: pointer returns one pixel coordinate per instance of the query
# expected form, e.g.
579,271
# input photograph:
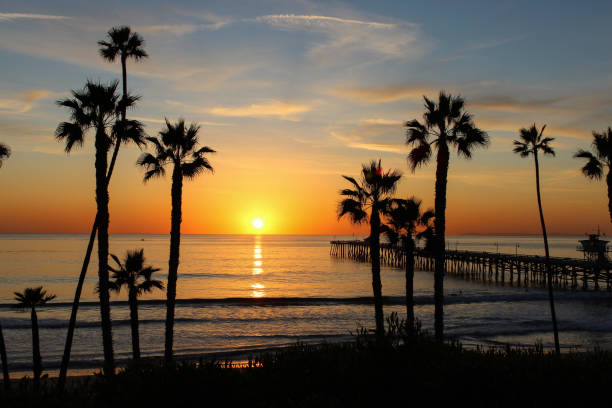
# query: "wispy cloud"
210,22
378,147
24,101
382,94
163,121
511,104
29,16
349,36
282,110
381,122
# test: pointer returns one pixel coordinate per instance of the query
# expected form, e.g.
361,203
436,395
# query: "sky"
294,94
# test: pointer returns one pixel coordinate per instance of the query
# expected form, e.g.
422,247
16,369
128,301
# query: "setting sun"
258,223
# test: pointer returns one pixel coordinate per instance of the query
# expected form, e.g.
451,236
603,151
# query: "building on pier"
595,249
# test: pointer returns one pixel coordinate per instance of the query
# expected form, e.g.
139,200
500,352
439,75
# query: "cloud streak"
282,110
29,16
346,37
383,94
24,101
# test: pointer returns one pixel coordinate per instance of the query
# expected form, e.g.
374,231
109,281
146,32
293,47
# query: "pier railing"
516,270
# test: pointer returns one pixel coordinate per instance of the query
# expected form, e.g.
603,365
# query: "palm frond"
593,168
196,167
419,156
353,209
5,152
129,131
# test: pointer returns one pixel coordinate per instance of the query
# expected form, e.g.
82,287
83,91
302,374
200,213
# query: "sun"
258,223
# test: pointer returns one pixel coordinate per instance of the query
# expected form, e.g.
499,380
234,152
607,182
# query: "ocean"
240,294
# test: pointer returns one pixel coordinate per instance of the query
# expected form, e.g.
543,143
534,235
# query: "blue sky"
315,89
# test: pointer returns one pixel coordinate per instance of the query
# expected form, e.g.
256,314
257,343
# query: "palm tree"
601,156
403,218
445,124
137,278
5,152
127,45
176,145
29,299
98,107
5,371
371,194
531,142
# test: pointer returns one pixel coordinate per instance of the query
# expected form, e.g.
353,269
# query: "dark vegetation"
407,368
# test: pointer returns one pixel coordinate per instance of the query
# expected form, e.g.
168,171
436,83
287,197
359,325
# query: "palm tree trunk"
173,262
5,370
440,226
103,221
376,282
79,289
36,359
546,251
75,307
133,300
409,250
94,229
609,183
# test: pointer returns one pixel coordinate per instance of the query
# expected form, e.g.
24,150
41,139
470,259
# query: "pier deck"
515,270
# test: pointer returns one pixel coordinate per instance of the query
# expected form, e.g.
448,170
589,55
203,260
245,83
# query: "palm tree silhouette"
600,157
372,193
29,299
175,145
403,218
5,371
531,142
445,124
127,45
138,280
98,107
5,152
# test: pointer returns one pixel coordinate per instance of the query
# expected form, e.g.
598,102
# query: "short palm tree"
176,145
596,161
4,360
366,201
403,219
5,152
98,107
531,143
30,299
137,277
445,125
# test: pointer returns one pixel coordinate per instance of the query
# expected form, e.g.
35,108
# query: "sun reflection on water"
257,288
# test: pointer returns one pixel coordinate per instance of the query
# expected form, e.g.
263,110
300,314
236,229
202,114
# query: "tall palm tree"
403,218
176,145
98,107
127,45
134,275
123,44
531,143
366,201
445,125
30,299
4,360
596,161
5,152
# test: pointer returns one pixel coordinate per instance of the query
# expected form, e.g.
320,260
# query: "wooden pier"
514,270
